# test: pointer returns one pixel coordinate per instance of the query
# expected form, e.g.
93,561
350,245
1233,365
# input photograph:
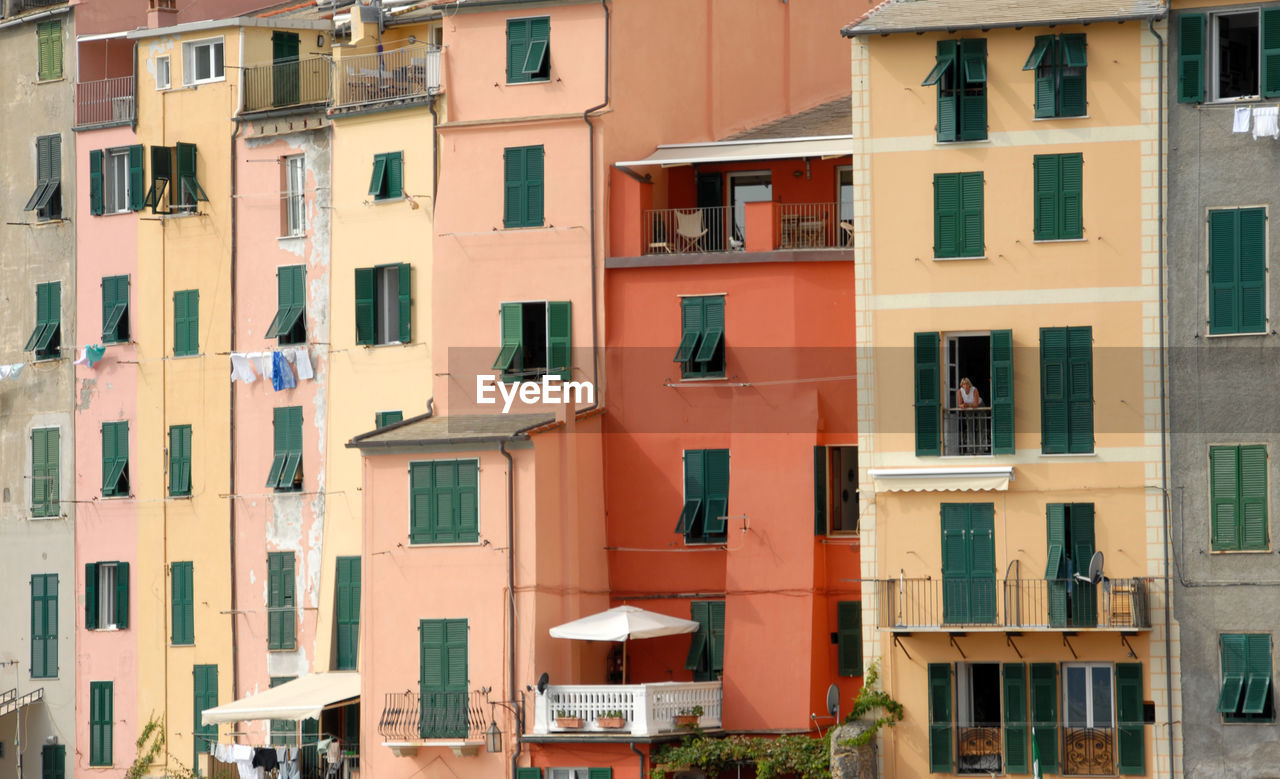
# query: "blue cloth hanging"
281,373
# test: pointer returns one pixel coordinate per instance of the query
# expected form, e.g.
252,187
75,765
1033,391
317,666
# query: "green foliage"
870,698
692,711
798,754
617,713
150,742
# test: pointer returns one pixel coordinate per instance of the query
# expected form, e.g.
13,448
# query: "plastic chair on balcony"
690,230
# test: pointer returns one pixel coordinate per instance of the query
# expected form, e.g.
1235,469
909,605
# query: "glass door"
1088,718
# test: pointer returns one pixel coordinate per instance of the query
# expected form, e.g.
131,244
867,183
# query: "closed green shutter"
1084,595
1080,390
513,187
348,612
1224,311
122,595
946,215
1044,714
45,456
468,501
366,306
1053,390
849,638
186,322
205,696
948,98
1071,202
91,596
1055,572
101,723
182,603
528,773
560,339
137,188
1253,498
1270,52
957,606
819,490
1131,749
444,502
518,40
1191,58
1252,269
982,562
53,761
716,499
972,76
715,622
533,186
44,626
928,405
971,212
49,43
442,678
1016,751
384,418
1002,428
179,460
404,289
599,773
280,600
1224,497
940,732
511,318
1048,191
694,493
1072,70
395,175
419,503
95,182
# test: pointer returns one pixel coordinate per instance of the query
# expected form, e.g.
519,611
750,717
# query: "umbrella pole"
624,661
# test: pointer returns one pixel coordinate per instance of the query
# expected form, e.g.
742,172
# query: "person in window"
967,396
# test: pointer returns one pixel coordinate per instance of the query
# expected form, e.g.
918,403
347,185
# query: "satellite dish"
833,701
543,681
1095,570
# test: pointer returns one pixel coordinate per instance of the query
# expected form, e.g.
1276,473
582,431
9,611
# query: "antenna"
543,681
833,702
1095,570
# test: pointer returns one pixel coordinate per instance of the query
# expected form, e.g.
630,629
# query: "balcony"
20,6
754,227
647,709
967,432
287,84
409,73
988,604
105,102
448,719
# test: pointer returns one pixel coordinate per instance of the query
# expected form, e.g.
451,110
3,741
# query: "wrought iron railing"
105,101
18,6
646,709
952,602
967,432
444,715
978,748
283,84
811,226
1088,751
399,74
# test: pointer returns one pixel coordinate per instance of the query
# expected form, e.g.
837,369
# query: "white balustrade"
647,709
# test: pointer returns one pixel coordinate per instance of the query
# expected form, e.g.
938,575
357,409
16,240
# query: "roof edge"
849,31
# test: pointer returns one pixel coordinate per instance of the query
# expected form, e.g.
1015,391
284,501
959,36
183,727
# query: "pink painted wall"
106,529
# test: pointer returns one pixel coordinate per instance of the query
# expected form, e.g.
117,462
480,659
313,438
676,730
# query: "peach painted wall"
106,529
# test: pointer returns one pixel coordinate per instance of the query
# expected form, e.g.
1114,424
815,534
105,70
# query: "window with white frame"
115,181
567,773
106,595
294,205
162,72
1236,55
202,61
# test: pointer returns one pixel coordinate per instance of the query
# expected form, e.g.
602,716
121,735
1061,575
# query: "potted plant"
688,717
611,719
565,720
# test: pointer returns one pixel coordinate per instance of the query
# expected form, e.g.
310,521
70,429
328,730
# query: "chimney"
162,13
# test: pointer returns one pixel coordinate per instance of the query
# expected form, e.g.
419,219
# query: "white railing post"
642,724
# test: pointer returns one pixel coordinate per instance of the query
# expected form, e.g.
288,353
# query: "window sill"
280,650
385,343
46,516
524,227
377,201
40,81
116,497
1068,454
178,497
1236,335
298,237
49,359
1239,551
1235,101
48,222
433,545
1060,240
960,259
707,543
175,646
115,213
1057,118
202,82
532,81
721,377
183,356
944,144
112,629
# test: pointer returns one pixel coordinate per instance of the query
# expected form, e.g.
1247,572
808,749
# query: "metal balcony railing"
967,432
106,101
811,226
444,715
646,709
284,84
18,6
1088,751
689,230
399,74
715,228
978,748
978,602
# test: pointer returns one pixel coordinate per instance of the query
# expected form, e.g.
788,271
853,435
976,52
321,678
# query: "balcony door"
1088,718
747,188
978,719
711,202
1070,537
284,73
968,563
442,681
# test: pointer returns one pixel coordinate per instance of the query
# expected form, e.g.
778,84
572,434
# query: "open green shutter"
819,490
405,291
1080,390
137,185
928,405
1253,498
947,99
957,605
940,738
1072,85
971,85
109,455
1002,432
95,182
1044,713
1251,250
1046,78
690,327
715,623
694,492
712,332
1191,58
1270,52
1224,312
1055,572
366,309
698,612
122,595
513,183
1016,751
1131,749
946,215
1224,497
1048,191
1257,691
1071,201
971,214
377,183
1235,666
560,339
91,596
716,497
395,174
1084,595
512,321
1053,390
849,638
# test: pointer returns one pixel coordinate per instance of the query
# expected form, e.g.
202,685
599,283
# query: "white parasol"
623,623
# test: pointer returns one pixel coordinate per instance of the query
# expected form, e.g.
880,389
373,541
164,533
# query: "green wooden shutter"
405,292
366,306
716,497
1251,259
91,596
189,189
348,612
1131,749
1253,498
696,659
948,101
186,322
53,761
1224,311
1055,572
599,773
179,460
715,623
1048,191
1053,390
44,626
940,738
419,502
467,491
1071,178
694,493
115,308
378,182
204,696
1191,58
690,329
518,40
705,358
1257,691
1044,713
95,183
511,318
101,723
928,405
1072,75
1084,596
946,215
109,453
982,562
384,418
957,606
1016,754
819,490
971,213
849,638
971,77
533,186
1002,428
288,626
182,603
1270,38
1235,666
395,174
444,502
137,185
122,595
1046,76
513,182
1080,390
49,44
1224,497
560,339
528,773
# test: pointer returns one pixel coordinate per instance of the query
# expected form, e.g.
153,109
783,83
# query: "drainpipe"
639,754
231,460
1164,432
511,597
591,178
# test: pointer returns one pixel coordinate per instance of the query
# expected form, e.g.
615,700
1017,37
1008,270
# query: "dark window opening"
1236,51
979,728
842,489
968,406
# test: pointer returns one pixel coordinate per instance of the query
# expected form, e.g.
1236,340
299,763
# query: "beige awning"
302,698
746,151
956,479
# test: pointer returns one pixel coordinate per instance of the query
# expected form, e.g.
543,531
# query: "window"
384,418
566,773
347,594
968,564
44,472
701,350
286,462
1244,55
706,647
835,489
115,309
957,215
46,200
162,72
522,178
384,304
293,206
280,601
1066,390
202,61
986,696
704,517
1069,537
1246,678
115,180
186,322
968,410
53,761
49,44
182,603
179,460
537,340
1059,185
443,502
101,722
849,637
284,732
1238,270
115,459
44,626
528,50
204,682
290,323
388,176
1059,63
46,339
106,596
961,77
749,188
442,678
170,163
844,196
1238,498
